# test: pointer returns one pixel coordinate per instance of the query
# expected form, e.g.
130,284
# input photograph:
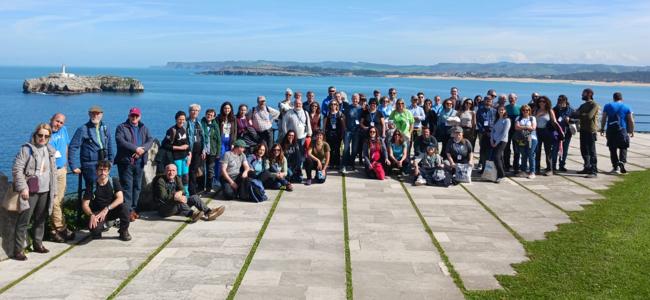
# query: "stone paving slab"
477,245
636,162
525,212
392,255
302,254
560,191
95,269
602,182
10,270
205,258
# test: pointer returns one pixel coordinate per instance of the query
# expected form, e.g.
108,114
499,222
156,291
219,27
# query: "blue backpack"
253,190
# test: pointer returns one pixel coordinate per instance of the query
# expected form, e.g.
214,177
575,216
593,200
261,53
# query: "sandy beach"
527,80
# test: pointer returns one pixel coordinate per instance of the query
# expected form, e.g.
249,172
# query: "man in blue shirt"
352,114
620,127
437,104
485,118
512,109
60,141
91,143
325,107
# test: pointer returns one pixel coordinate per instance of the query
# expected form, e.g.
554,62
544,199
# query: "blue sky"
146,33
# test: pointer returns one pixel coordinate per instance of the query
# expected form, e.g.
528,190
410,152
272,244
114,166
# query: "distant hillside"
500,69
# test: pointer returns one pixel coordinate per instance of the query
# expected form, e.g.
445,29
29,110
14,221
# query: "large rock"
82,84
7,221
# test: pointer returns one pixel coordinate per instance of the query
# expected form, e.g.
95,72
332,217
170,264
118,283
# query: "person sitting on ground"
276,170
318,158
425,168
257,160
459,150
170,195
426,140
374,155
294,155
177,143
234,168
398,154
106,203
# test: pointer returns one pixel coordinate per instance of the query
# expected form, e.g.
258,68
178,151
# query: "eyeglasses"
332,91
373,131
43,136
276,150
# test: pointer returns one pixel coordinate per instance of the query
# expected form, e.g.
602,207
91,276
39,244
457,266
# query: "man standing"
512,109
297,120
454,98
60,140
620,127
284,106
420,99
392,96
133,144
352,114
311,98
91,143
485,118
325,106
212,150
418,115
105,202
262,117
501,101
197,143
587,113
437,104
170,195
376,95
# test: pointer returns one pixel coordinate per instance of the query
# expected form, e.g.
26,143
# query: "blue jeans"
528,157
565,151
350,147
131,181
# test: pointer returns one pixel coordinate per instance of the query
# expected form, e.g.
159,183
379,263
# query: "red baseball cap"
135,111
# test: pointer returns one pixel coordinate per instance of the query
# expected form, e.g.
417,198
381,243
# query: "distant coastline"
525,80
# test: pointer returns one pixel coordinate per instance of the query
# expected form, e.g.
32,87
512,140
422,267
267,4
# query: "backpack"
617,135
252,190
440,177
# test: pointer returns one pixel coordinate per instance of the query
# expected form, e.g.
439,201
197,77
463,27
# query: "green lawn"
604,253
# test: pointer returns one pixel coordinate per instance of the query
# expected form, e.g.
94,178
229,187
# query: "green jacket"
588,116
162,194
213,136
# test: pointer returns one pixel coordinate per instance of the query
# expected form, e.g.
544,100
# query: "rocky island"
68,83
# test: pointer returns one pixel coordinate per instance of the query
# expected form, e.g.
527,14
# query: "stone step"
302,254
205,258
392,255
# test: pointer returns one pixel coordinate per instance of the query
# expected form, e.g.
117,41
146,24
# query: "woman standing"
242,121
499,140
398,154
334,132
177,143
314,116
229,130
467,117
34,174
563,111
430,116
318,158
276,170
374,155
444,126
526,139
546,124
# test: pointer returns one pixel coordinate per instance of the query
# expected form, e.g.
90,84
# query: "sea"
170,90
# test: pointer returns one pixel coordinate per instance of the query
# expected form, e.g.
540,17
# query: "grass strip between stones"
149,259
251,253
488,209
452,271
42,265
346,238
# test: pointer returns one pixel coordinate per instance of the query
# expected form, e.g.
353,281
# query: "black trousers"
205,182
184,209
588,151
544,139
617,158
498,159
511,149
120,212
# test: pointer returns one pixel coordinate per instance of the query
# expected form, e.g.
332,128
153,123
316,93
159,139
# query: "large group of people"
235,150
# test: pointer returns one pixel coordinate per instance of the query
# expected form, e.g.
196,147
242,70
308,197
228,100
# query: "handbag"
490,171
12,202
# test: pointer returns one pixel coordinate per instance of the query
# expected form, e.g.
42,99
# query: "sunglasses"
276,150
43,136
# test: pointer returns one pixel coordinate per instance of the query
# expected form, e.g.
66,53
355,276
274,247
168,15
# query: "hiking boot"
213,214
197,215
125,236
40,249
622,168
20,256
57,236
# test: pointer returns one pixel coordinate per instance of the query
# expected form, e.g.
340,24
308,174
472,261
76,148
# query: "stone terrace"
294,245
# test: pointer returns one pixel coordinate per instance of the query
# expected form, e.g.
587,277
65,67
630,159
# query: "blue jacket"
485,118
83,150
127,142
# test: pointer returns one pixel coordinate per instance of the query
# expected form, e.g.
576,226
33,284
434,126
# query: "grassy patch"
604,253
346,238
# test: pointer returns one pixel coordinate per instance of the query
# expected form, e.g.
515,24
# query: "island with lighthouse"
68,83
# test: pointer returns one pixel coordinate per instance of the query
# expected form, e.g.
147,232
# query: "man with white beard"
91,143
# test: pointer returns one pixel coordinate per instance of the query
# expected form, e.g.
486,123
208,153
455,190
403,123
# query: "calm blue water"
167,91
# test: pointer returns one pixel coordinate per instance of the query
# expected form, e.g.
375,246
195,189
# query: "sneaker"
583,171
615,171
343,170
289,188
548,173
622,168
592,175
531,176
215,213
562,169
523,174
132,216
125,236
308,182
40,249
420,181
197,215
499,180
20,256
69,235
57,236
